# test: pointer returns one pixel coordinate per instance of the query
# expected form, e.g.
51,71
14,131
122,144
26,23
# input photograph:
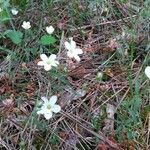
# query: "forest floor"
104,97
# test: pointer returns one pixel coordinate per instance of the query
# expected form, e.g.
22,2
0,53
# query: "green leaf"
14,36
47,40
4,16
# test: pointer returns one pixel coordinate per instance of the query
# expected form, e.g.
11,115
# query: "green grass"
83,122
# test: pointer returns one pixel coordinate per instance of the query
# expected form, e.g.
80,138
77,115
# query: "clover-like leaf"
4,17
47,40
14,36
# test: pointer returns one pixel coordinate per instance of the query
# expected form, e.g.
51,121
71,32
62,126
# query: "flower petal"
47,67
53,100
52,57
44,99
44,57
147,71
73,44
48,115
40,112
69,54
77,57
79,51
67,45
55,63
41,63
56,108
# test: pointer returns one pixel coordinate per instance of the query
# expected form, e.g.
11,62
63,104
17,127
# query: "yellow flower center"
49,107
48,62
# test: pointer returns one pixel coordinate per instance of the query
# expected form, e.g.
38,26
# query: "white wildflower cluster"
50,61
49,106
72,52
47,62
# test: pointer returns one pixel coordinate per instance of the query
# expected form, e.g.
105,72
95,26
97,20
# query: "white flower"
26,25
147,71
50,29
99,75
123,33
14,11
48,62
73,52
49,106
1,9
